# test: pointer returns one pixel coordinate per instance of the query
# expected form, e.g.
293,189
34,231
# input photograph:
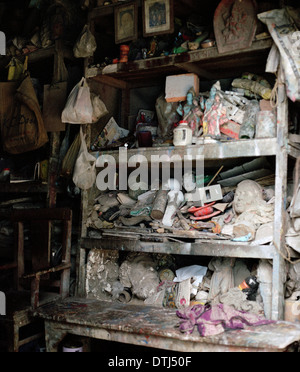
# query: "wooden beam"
193,68
112,82
41,214
218,248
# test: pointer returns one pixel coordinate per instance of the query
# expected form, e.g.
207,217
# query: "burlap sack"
23,130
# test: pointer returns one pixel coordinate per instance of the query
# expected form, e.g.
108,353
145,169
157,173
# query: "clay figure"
138,273
251,209
214,117
191,111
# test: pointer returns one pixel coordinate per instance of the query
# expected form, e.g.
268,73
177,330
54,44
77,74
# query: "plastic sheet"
248,126
286,37
266,125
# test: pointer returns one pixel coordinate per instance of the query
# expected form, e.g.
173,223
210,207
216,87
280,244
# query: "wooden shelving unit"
209,65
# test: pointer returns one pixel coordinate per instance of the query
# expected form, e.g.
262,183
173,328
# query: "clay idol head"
247,195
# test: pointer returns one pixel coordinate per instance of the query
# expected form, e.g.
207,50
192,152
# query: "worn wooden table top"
151,321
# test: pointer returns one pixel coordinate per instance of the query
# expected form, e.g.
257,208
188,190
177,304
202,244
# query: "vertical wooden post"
85,208
67,244
53,169
280,204
35,292
125,107
19,254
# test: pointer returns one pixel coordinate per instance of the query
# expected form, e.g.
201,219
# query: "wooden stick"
212,180
183,221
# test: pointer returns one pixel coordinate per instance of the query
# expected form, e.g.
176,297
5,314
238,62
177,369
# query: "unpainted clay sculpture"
251,209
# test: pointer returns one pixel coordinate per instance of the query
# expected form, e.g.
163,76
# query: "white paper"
194,271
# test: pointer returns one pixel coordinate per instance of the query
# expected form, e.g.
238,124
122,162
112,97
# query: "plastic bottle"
183,135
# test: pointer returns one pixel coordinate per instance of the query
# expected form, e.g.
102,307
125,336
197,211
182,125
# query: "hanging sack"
84,175
70,158
25,130
79,108
8,90
86,44
55,96
7,93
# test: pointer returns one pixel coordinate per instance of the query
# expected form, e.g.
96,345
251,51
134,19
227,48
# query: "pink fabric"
216,319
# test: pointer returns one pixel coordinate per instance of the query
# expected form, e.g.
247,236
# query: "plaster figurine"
138,272
251,209
191,111
214,118
175,198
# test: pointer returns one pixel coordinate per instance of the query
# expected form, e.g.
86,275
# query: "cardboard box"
177,86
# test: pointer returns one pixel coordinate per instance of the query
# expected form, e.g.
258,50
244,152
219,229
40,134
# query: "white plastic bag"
79,108
86,44
99,108
194,271
84,175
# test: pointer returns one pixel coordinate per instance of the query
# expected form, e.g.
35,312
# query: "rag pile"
212,320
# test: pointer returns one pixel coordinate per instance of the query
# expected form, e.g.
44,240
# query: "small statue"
191,112
251,209
214,117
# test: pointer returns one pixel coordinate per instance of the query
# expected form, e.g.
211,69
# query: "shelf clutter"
232,207
244,214
189,200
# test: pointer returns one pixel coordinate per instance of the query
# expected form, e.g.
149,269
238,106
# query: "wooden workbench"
153,327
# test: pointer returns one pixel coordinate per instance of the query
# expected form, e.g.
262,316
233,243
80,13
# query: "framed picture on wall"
158,17
126,22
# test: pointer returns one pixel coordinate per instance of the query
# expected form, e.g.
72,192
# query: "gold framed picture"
126,22
158,17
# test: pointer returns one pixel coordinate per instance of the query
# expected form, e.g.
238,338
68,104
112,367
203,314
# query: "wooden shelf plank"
216,150
210,151
25,187
218,248
39,55
208,61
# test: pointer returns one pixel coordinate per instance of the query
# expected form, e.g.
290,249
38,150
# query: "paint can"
165,274
73,347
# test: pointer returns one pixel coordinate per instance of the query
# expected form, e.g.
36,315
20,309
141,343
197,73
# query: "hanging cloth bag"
55,96
84,175
25,130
